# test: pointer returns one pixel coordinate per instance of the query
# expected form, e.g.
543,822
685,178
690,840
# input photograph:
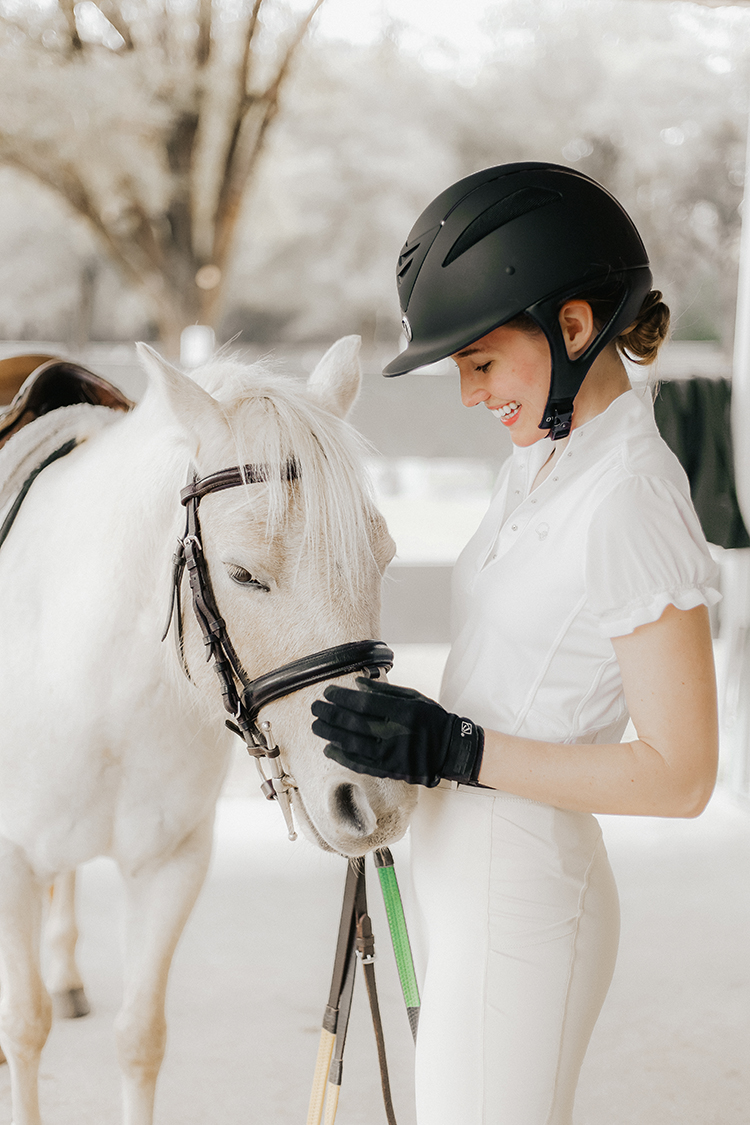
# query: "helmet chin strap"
568,374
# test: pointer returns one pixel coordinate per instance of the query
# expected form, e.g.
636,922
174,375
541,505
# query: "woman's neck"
605,381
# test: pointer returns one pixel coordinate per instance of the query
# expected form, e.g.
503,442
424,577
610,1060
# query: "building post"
734,663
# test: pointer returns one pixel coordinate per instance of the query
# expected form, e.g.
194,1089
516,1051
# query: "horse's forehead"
247,506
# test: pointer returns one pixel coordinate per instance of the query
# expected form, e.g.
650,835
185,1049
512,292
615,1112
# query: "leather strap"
341,660
15,507
244,698
365,944
231,478
355,942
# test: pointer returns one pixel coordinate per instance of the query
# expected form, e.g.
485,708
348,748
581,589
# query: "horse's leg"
60,937
25,1009
159,900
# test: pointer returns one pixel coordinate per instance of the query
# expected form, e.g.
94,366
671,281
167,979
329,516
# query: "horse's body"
106,748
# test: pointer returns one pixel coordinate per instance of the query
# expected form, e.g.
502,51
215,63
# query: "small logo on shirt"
466,728
542,530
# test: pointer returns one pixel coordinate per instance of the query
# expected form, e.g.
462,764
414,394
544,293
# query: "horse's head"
295,560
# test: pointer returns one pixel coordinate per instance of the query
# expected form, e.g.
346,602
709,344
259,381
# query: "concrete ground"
251,977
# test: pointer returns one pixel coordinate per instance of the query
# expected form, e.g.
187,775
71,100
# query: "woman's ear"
577,324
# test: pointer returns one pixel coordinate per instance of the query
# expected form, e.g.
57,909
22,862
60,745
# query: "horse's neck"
147,465
127,483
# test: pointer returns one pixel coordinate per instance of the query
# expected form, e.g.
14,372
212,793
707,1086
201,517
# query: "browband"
230,478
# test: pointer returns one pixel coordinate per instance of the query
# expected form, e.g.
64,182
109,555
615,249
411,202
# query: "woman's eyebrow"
468,351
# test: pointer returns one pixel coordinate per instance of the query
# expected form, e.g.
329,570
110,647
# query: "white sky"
360,20
456,22
451,33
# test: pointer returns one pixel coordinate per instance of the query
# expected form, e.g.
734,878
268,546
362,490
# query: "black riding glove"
391,731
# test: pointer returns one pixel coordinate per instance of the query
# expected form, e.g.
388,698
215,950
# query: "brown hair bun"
641,341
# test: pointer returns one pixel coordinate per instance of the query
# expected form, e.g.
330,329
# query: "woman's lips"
507,413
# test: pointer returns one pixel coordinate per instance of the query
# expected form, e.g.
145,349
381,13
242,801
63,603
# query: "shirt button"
533,501
555,478
514,527
570,455
518,492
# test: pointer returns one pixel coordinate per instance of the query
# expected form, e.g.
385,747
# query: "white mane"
275,421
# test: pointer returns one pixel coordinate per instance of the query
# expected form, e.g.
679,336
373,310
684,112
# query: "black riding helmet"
512,239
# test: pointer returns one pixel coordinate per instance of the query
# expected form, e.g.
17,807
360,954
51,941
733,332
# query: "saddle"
33,385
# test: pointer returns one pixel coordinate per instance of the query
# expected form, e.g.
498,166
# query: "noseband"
243,697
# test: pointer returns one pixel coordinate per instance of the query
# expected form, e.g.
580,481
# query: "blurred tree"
362,145
649,98
149,119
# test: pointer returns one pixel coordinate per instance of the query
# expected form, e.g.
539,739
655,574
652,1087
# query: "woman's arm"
670,687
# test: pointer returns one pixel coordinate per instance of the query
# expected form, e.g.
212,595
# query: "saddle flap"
33,385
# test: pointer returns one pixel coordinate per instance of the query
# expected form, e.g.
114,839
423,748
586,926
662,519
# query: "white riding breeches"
515,928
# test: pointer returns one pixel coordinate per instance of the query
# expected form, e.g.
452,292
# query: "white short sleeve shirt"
603,545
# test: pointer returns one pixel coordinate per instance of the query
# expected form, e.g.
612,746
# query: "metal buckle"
277,786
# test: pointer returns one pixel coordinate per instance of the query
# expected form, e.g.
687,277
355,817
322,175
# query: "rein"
244,698
15,507
356,942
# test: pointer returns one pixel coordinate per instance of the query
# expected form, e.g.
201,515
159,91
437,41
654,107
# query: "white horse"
106,748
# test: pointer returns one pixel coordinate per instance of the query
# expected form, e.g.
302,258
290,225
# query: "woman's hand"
392,731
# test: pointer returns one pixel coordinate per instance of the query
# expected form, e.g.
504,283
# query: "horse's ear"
336,380
193,407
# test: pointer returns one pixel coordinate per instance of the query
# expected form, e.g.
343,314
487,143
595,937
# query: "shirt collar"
630,413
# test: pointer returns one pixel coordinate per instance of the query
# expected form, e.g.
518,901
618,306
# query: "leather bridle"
244,698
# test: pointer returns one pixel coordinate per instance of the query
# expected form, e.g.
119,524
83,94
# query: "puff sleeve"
646,550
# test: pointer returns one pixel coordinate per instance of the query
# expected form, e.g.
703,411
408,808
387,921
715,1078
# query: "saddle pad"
25,450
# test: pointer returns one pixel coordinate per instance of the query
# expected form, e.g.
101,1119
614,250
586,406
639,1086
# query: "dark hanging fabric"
693,416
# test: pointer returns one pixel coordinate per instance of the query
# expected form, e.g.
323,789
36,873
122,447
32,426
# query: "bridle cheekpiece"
244,698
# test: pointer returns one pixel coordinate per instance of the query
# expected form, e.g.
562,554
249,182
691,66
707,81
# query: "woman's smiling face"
509,371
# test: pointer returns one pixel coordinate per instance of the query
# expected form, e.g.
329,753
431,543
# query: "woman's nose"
472,391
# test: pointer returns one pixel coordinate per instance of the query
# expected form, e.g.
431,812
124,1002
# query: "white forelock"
274,420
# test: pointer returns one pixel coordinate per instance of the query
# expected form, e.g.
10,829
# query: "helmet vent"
504,211
405,261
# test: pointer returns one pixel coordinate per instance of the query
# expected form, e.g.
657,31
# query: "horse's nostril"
352,808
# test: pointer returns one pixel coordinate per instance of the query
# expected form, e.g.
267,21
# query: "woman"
581,600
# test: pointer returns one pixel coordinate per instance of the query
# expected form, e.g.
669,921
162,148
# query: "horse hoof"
70,1004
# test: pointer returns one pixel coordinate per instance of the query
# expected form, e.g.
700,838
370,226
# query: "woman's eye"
484,368
243,577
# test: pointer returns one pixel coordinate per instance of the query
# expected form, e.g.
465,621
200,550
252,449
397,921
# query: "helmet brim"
422,354
412,358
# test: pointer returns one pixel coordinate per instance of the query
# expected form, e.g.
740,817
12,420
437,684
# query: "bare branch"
245,147
67,7
203,42
65,181
248,137
156,251
244,71
273,90
111,12
136,252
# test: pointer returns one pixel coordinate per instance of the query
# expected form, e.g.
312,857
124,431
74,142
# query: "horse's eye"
243,577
